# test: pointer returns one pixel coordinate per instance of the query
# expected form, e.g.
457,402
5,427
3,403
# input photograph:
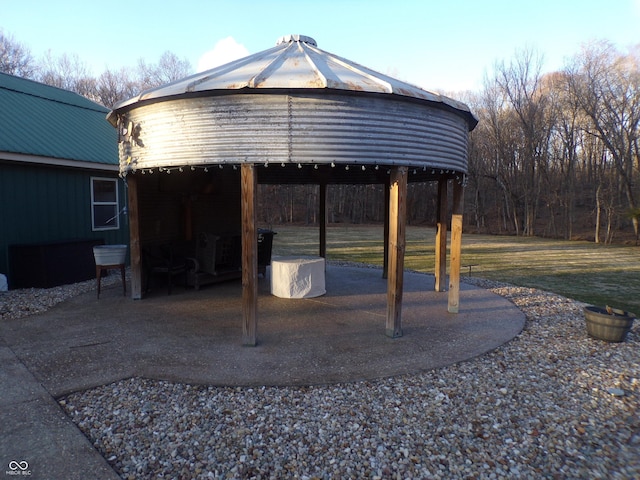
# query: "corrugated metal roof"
295,63
40,120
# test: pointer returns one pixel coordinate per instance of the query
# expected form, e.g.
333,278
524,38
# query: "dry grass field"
596,274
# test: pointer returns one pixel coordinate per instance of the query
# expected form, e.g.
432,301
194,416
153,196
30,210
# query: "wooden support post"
441,236
397,226
249,188
323,220
385,260
456,248
133,212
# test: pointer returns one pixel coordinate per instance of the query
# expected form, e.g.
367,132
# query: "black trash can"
265,245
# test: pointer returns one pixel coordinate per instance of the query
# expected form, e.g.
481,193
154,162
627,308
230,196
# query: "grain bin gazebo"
195,149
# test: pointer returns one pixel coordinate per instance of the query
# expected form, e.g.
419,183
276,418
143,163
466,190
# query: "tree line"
70,72
555,154
558,154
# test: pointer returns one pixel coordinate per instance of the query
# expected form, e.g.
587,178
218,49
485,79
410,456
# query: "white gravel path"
545,405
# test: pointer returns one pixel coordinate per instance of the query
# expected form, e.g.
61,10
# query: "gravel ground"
552,403
29,301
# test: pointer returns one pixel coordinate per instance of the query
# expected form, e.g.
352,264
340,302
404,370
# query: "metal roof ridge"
357,68
222,69
262,75
59,161
95,108
326,76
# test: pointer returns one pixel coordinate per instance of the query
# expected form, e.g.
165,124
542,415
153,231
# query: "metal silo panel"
292,103
376,130
211,130
297,128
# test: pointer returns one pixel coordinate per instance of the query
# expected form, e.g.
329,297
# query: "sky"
446,46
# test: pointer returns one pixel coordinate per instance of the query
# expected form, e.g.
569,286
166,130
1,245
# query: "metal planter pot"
610,327
110,254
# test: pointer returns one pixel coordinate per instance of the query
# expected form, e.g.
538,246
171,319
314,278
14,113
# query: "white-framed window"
104,204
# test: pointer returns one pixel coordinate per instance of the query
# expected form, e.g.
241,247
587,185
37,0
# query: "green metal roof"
37,119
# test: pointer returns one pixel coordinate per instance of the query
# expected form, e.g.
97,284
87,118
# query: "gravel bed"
552,403
29,301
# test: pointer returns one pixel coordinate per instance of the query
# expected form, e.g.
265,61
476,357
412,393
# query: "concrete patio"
196,337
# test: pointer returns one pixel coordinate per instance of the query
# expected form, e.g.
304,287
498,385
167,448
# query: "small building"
60,192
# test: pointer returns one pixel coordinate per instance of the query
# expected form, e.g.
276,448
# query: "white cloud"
224,51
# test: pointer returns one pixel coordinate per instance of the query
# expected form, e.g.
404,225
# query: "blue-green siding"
50,140
40,204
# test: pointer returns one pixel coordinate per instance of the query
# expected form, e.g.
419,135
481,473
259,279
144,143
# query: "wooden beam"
133,212
456,248
397,227
323,220
249,188
385,260
441,236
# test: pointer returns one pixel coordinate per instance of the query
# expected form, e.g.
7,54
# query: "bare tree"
606,85
68,72
497,139
15,58
520,82
113,87
168,69
564,150
71,73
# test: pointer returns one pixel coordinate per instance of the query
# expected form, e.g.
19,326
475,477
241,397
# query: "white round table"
297,277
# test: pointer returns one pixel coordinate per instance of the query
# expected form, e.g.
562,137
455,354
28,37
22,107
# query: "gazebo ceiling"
302,113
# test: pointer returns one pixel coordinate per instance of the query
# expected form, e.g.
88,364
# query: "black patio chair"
167,260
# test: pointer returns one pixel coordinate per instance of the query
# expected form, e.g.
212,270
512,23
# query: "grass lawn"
596,274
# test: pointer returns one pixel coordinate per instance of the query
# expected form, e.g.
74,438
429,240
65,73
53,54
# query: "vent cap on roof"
296,38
